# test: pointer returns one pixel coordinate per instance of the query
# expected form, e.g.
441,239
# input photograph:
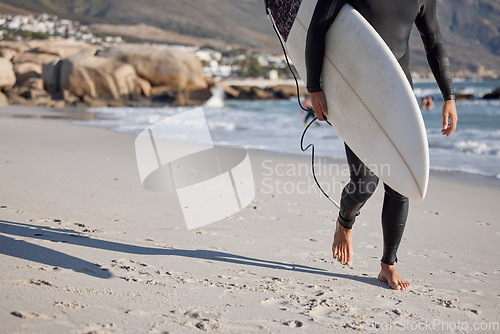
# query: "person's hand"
450,117
318,102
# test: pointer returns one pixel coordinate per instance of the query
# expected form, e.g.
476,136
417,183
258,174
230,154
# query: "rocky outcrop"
51,72
27,70
3,100
253,93
98,77
62,72
17,46
62,48
72,73
7,75
34,57
287,91
493,95
7,53
30,93
463,97
247,92
177,71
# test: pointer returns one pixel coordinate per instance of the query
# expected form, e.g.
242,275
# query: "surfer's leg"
394,215
359,189
355,194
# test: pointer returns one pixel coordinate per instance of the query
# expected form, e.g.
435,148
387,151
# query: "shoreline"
83,114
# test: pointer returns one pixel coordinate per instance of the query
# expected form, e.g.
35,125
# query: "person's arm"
427,24
323,16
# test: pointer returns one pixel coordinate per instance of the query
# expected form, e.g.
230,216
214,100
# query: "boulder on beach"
230,91
7,53
145,86
30,93
51,73
286,91
176,69
34,57
27,70
17,46
62,48
7,75
3,100
98,77
253,93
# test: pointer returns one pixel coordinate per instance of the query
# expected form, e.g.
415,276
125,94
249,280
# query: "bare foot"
390,275
342,244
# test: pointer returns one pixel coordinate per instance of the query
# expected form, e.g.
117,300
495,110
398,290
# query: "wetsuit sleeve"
324,14
428,27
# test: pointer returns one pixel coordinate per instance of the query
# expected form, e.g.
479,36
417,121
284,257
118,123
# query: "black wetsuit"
393,20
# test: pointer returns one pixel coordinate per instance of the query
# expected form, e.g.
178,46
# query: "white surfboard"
370,102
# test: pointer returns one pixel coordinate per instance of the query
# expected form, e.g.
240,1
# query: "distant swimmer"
309,114
427,103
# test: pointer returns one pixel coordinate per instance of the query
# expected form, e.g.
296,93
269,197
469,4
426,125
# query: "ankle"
387,266
342,228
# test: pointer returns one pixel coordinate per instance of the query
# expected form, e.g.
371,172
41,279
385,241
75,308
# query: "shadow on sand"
28,251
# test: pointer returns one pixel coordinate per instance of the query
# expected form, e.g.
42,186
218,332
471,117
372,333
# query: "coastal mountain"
471,27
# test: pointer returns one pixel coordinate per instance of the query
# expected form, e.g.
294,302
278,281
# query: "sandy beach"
84,248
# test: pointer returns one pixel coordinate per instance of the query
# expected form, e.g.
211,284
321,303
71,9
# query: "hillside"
471,27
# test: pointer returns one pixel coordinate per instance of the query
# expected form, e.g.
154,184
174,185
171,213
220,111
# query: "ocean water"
277,126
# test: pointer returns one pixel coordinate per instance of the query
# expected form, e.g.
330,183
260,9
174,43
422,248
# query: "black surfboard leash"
301,106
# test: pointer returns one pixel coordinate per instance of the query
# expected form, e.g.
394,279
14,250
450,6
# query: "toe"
395,286
349,259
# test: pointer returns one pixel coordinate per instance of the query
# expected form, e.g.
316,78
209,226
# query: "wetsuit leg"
355,194
394,215
359,189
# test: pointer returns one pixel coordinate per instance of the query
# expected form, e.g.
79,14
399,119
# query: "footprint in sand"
139,313
474,291
39,282
100,328
480,223
31,315
68,305
45,220
203,320
244,328
206,231
293,323
309,239
449,303
272,301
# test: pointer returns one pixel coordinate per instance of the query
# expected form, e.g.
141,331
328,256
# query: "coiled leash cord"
302,107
